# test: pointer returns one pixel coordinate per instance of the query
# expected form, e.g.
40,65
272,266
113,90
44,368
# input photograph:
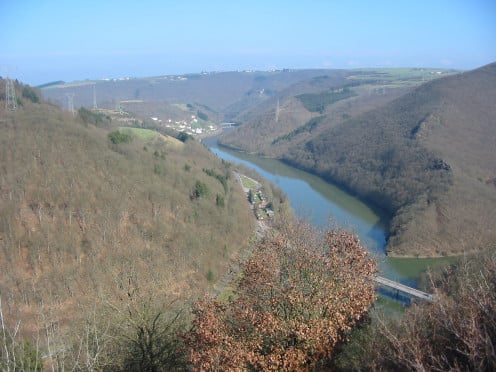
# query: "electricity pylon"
70,103
94,97
10,95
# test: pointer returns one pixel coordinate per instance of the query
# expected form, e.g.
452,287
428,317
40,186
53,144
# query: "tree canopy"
300,293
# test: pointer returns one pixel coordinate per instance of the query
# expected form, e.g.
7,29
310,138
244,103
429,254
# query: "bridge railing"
404,289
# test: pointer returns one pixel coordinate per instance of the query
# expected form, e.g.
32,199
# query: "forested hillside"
109,236
421,151
277,124
94,222
427,158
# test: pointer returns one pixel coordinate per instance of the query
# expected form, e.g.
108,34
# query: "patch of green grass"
400,74
249,183
145,134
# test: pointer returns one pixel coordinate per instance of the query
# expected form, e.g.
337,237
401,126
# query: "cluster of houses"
191,126
260,205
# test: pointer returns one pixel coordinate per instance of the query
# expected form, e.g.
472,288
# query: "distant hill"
225,93
275,125
411,141
427,157
88,214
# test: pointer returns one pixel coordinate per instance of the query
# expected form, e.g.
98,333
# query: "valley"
399,155
119,212
374,132
247,186
97,221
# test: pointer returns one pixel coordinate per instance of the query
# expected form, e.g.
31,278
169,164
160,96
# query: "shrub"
200,190
202,116
30,94
94,118
183,137
219,201
117,137
210,276
222,179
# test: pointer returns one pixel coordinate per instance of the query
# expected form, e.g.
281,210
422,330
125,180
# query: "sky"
49,40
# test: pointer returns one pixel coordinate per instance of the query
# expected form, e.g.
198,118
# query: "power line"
70,103
94,97
118,107
10,92
10,95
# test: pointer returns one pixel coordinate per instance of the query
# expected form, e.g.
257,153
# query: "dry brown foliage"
455,333
81,217
293,304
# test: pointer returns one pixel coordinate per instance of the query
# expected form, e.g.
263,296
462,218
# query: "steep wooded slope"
427,157
84,220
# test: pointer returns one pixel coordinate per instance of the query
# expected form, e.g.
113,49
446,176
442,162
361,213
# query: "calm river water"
323,203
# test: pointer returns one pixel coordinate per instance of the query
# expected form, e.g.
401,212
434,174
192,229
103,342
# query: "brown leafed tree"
298,296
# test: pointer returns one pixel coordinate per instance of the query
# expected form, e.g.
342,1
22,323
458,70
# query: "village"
192,125
262,208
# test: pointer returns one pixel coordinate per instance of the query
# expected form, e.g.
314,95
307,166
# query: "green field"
249,183
400,76
145,134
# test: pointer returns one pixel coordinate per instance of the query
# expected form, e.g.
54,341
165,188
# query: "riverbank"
223,288
385,215
324,204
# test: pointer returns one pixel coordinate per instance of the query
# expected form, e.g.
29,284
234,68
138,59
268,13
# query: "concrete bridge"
404,289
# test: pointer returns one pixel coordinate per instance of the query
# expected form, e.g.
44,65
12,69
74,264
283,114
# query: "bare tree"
456,332
17,354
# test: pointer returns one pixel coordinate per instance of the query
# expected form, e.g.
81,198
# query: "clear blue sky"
46,40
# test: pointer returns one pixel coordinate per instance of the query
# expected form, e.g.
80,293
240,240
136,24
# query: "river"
322,203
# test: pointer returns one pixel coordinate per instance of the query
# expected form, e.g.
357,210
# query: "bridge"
404,289
229,125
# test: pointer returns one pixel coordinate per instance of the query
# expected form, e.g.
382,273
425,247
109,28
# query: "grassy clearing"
249,183
145,134
400,77
150,135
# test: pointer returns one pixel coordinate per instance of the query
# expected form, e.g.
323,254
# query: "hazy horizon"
44,41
